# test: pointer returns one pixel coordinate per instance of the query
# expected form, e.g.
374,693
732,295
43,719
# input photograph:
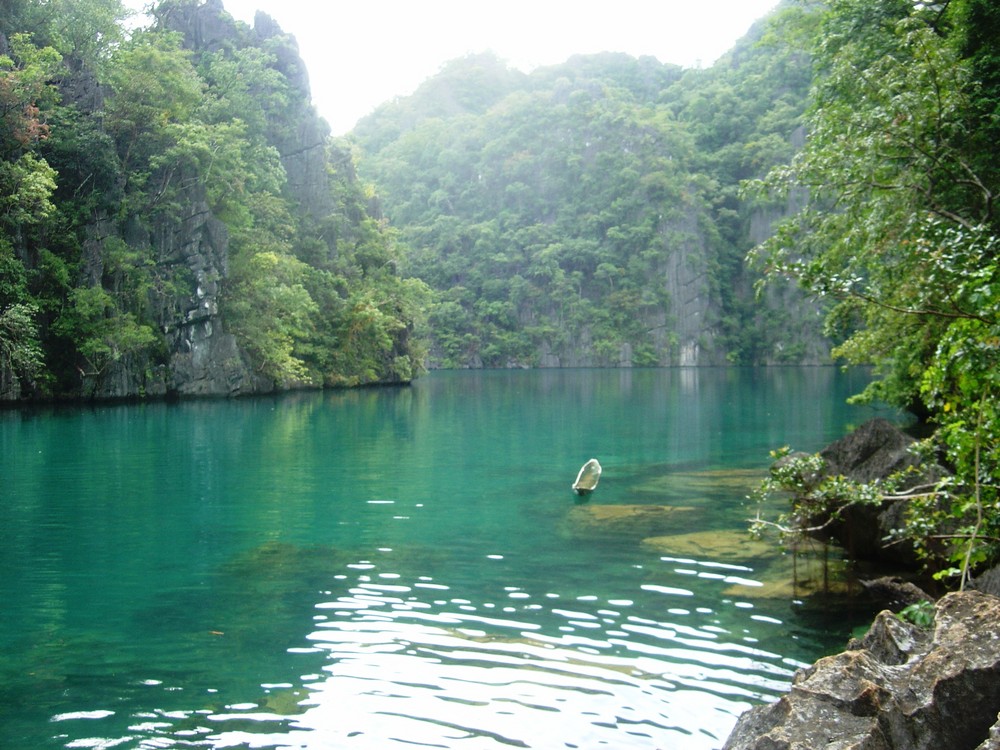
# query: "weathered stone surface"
876,450
210,363
988,581
897,688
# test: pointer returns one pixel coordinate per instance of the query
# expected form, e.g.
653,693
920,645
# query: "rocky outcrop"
876,450
873,451
128,280
300,135
191,247
897,688
204,359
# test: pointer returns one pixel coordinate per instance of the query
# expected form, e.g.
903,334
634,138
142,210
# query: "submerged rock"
897,688
894,593
726,545
771,573
633,521
696,487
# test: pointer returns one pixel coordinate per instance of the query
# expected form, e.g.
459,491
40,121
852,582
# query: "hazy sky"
360,54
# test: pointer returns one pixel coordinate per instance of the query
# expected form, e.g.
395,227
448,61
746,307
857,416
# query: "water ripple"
456,672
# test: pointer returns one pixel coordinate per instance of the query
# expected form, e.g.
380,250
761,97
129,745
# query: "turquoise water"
403,567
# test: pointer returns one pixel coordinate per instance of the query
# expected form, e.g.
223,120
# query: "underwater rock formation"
626,522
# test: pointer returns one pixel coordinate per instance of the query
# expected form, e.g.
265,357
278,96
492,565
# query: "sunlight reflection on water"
408,671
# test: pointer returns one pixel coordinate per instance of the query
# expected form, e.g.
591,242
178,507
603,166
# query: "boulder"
875,450
898,688
988,581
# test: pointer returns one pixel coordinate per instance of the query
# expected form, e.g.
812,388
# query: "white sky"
360,54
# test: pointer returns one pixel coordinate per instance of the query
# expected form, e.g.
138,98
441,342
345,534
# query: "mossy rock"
726,545
630,521
287,701
773,574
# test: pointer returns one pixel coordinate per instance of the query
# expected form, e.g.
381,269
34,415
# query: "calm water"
403,568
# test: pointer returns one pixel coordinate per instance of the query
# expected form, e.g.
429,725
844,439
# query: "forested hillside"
174,217
587,214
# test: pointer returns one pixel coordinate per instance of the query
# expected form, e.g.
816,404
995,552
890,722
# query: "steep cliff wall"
588,214
191,228
199,357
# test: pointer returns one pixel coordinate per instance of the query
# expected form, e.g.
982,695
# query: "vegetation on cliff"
153,192
587,213
901,232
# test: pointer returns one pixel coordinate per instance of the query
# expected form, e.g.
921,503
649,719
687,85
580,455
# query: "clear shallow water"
403,567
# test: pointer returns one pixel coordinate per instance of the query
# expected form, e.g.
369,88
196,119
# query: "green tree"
899,230
104,333
155,91
21,357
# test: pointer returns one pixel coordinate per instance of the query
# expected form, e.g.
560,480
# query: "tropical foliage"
900,232
112,142
588,213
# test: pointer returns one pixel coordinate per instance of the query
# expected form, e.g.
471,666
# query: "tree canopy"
587,213
114,143
899,231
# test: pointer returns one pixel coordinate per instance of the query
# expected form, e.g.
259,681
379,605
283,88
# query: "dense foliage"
900,230
113,142
587,213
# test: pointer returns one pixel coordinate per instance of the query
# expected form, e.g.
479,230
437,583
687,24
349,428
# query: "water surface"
405,567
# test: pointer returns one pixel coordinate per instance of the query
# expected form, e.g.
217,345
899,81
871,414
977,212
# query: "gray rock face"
875,450
897,688
204,359
211,364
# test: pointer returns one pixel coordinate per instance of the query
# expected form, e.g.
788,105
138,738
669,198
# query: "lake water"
406,567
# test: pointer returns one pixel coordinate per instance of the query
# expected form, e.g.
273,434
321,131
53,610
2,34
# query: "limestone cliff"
196,230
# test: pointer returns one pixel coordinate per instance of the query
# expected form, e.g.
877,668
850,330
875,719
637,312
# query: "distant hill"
587,214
